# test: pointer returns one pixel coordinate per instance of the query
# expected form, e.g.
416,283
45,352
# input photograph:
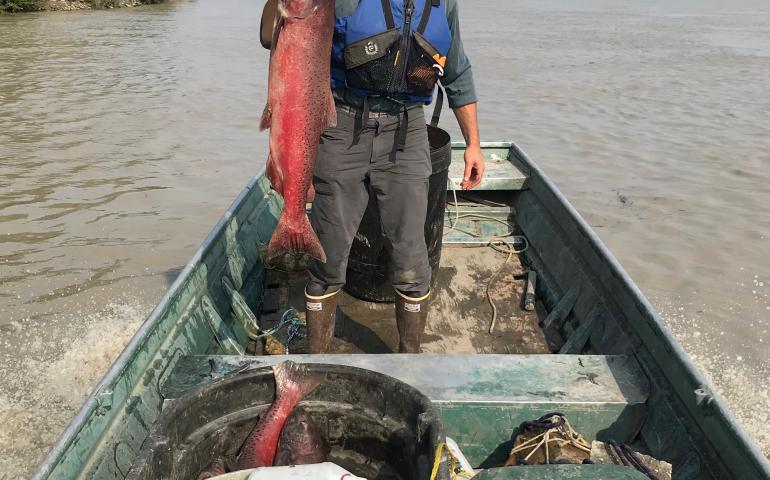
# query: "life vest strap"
429,4
437,108
388,11
404,123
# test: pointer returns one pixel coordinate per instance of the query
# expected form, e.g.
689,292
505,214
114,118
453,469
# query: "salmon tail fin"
294,237
331,113
292,376
267,118
274,174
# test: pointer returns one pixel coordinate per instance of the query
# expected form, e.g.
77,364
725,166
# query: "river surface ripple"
125,134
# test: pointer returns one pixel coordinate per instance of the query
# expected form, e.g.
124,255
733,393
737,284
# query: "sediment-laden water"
125,134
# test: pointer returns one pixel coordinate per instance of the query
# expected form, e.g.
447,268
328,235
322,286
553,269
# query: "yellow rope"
452,462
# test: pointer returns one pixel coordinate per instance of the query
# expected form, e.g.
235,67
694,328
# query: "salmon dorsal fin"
267,118
331,113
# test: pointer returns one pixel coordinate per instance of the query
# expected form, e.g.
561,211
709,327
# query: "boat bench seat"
499,172
472,220
482,398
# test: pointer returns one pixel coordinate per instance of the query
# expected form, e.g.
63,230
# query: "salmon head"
302,441
299,9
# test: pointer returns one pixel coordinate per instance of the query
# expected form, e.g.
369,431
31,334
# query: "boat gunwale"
54,455
650,315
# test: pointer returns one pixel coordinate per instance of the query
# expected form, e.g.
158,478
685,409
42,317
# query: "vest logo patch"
314,306
412,307
371,48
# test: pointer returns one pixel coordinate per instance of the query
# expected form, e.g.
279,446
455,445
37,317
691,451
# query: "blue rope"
631,459
290,318
294,327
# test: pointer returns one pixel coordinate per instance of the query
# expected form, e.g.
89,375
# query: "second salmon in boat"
299,108
301,441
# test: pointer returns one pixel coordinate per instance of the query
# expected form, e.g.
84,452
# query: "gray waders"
358,158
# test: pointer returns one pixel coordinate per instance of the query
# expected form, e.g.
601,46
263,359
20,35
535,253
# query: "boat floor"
460,313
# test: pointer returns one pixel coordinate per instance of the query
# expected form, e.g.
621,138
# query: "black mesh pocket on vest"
424,66
371,62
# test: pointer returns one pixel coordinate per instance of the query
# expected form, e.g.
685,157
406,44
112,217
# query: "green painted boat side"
565,472
688,411
117,416
686,423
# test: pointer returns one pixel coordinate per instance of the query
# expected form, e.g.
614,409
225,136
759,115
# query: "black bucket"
367,274
377,426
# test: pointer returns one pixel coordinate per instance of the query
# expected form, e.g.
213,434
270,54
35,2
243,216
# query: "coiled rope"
557,430
291,319
630,458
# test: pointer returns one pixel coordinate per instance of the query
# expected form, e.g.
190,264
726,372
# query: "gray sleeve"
458,76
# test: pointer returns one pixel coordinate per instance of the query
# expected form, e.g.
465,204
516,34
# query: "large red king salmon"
299,108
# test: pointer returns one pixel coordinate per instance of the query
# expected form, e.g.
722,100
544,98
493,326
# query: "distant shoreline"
20,6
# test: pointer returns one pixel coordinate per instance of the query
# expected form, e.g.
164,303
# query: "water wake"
46,386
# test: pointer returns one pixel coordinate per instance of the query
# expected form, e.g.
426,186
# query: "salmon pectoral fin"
331,113
310,193
295,237
267,118
274,174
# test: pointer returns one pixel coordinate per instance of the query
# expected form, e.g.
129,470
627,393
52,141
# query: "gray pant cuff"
413,293
318,289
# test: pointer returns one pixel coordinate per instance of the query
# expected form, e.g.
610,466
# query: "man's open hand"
474,167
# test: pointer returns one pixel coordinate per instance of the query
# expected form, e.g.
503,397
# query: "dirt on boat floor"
460,313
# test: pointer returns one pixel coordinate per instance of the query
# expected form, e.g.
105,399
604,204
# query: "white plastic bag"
318,471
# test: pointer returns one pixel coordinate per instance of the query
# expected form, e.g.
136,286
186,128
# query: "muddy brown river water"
125,134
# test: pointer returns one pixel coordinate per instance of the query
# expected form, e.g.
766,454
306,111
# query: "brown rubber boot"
411,316
321,312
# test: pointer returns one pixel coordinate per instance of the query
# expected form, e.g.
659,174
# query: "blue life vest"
392,48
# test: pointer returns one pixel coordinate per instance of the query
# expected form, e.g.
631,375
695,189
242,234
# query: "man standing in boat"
387,56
